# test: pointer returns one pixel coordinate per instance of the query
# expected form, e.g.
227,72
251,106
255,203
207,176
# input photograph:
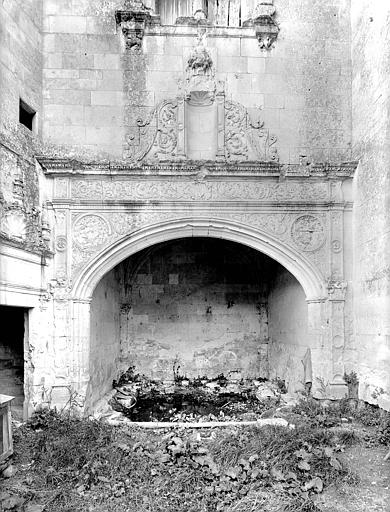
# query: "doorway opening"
13,339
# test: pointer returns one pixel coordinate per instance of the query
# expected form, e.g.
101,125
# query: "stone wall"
21,191
104,340
95,89
200,303
371,125
288,329
21,60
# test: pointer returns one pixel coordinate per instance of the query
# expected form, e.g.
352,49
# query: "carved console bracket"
133,23
264,23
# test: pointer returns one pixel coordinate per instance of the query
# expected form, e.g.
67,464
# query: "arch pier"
108,220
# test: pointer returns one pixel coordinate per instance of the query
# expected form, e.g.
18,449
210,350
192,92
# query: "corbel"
133,22
263,21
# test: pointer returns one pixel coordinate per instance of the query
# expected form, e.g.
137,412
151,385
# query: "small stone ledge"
119,419
137,24
64,166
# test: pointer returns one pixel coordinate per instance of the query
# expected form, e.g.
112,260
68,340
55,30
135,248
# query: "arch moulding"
304,271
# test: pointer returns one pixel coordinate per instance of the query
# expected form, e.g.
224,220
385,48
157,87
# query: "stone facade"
156,123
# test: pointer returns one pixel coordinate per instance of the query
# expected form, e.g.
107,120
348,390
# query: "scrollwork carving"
156,135
246,138
168,190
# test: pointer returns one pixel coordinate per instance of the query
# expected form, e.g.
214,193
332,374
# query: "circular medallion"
336,246
91,231
61,243
308,233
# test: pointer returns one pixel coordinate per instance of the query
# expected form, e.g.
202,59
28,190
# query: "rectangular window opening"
26,115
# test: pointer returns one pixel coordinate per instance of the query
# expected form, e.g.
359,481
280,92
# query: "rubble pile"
223,398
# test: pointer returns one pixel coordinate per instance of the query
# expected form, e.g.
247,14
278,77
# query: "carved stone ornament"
61,243
133,22
200,61
172,131
336,289
308,233
90,230
14,224
265,26
18,187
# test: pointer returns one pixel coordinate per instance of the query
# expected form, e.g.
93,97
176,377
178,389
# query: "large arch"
304,271
297,264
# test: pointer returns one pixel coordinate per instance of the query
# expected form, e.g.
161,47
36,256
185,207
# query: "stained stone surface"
148,130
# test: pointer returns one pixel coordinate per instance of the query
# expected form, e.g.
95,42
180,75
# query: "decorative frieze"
69,167
198,190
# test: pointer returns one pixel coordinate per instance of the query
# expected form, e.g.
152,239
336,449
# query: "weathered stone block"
238,82
69,43
106,61
61,74
92,74
114,98
256,65
67,96
67,24
95,135
52,60
77,60
51,7
106,43
103,116
228,47
62,134
250,48
274,101
232,64
271,84
165,62
111,80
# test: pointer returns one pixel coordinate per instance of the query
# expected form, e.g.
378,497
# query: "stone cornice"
66,167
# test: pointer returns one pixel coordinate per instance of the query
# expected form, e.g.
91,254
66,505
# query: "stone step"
18,401
10,379
13,390
6,363
10,372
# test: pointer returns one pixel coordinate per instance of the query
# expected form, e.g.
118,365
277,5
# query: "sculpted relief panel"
94,232
202,190
175,128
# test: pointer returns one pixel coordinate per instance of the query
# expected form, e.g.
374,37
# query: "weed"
281,384
88,465
369,415
351,378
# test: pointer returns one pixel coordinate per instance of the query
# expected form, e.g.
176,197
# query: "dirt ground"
329,462
371,494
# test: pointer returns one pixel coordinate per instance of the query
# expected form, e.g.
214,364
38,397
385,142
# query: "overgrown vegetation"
68,464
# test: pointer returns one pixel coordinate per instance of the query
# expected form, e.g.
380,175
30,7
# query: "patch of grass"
69,464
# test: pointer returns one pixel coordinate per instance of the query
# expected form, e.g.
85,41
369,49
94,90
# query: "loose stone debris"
205,402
